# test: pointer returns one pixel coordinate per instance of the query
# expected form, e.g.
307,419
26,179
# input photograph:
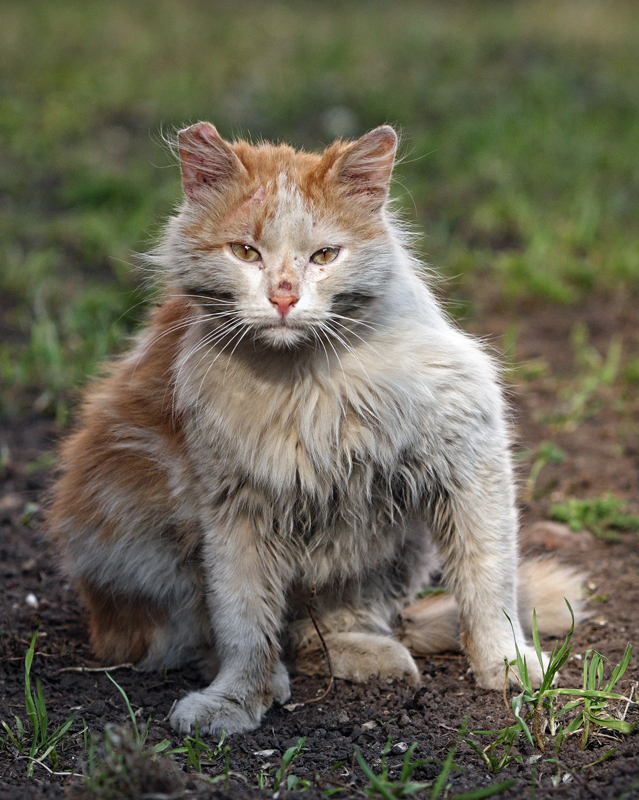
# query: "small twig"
448,728
633,687
327,655
50,771
506,686
99,669
37,653
442,657
166,719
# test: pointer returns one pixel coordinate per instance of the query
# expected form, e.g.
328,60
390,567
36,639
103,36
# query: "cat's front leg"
475,525
245,596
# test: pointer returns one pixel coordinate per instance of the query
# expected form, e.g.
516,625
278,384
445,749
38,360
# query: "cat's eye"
325,255
245,252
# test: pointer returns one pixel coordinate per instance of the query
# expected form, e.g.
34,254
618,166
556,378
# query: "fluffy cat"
298,419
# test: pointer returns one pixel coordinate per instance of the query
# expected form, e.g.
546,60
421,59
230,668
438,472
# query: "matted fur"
297,419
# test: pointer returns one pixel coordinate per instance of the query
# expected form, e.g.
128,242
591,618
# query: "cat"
298,423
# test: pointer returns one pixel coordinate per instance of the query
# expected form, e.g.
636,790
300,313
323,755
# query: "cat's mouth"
284,333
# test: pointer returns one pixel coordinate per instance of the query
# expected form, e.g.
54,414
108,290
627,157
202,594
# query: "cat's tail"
431,624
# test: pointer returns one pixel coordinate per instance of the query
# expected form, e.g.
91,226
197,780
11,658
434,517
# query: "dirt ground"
602,455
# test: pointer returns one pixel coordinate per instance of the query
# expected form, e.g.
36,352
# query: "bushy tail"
431,625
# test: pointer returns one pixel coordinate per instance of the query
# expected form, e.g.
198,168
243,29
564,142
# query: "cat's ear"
365,167
208,162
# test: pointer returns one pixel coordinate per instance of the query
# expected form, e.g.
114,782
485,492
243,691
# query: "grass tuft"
36,744
542,719
392,789
122,767
602,516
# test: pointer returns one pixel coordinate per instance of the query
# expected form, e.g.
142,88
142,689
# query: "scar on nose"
285,285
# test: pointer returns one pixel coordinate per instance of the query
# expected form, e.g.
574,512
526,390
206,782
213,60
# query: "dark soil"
602,455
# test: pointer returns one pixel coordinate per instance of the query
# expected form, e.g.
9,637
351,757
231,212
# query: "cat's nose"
283,303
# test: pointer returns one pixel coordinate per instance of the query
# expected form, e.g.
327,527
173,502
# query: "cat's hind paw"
281,684
357,656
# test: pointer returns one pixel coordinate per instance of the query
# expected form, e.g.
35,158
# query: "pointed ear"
208,162
365,167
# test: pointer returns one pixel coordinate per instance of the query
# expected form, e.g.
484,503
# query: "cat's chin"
283,337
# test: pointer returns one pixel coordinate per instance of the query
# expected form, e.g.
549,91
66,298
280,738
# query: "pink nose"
283,303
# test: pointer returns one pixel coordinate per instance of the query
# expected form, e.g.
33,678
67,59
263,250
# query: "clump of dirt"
601,454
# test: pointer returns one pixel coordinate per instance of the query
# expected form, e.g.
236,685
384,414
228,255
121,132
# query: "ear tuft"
366,166
208,162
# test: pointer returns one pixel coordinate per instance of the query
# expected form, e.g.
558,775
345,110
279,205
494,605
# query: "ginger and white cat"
297,419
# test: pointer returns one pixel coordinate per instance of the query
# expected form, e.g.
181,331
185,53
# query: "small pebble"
399,748
264,753
368,726
342,717
31,600
404,720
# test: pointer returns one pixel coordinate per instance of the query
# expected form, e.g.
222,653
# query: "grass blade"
128,705
485,791
375,782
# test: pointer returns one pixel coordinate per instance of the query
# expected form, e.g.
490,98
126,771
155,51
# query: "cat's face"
283,246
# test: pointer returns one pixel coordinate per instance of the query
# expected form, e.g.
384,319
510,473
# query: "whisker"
318,339
324,329
184,324
210,339
370,325
349,330
246,330
178,326
380,399
350,349
199,391
211,299
197,346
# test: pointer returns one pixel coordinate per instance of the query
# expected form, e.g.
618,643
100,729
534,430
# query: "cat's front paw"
211,713
493,675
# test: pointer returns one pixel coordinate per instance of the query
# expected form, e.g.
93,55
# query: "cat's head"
286,246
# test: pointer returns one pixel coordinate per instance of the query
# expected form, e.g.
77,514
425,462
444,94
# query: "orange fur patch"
121,629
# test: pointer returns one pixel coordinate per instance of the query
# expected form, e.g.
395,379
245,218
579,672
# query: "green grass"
588,391
34,741
382,785
603,516
546,453
520,127
545,717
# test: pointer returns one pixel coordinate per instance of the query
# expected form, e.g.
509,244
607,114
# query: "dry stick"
50,771
168,716
633,687
327,655
99,669
37,653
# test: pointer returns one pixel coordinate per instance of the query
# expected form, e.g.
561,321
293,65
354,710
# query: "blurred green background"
520,147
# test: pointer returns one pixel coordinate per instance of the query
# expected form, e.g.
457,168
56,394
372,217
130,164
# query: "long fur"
431,624
288,428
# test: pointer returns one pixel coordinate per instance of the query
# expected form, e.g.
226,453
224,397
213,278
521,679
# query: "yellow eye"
245,252
325,255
